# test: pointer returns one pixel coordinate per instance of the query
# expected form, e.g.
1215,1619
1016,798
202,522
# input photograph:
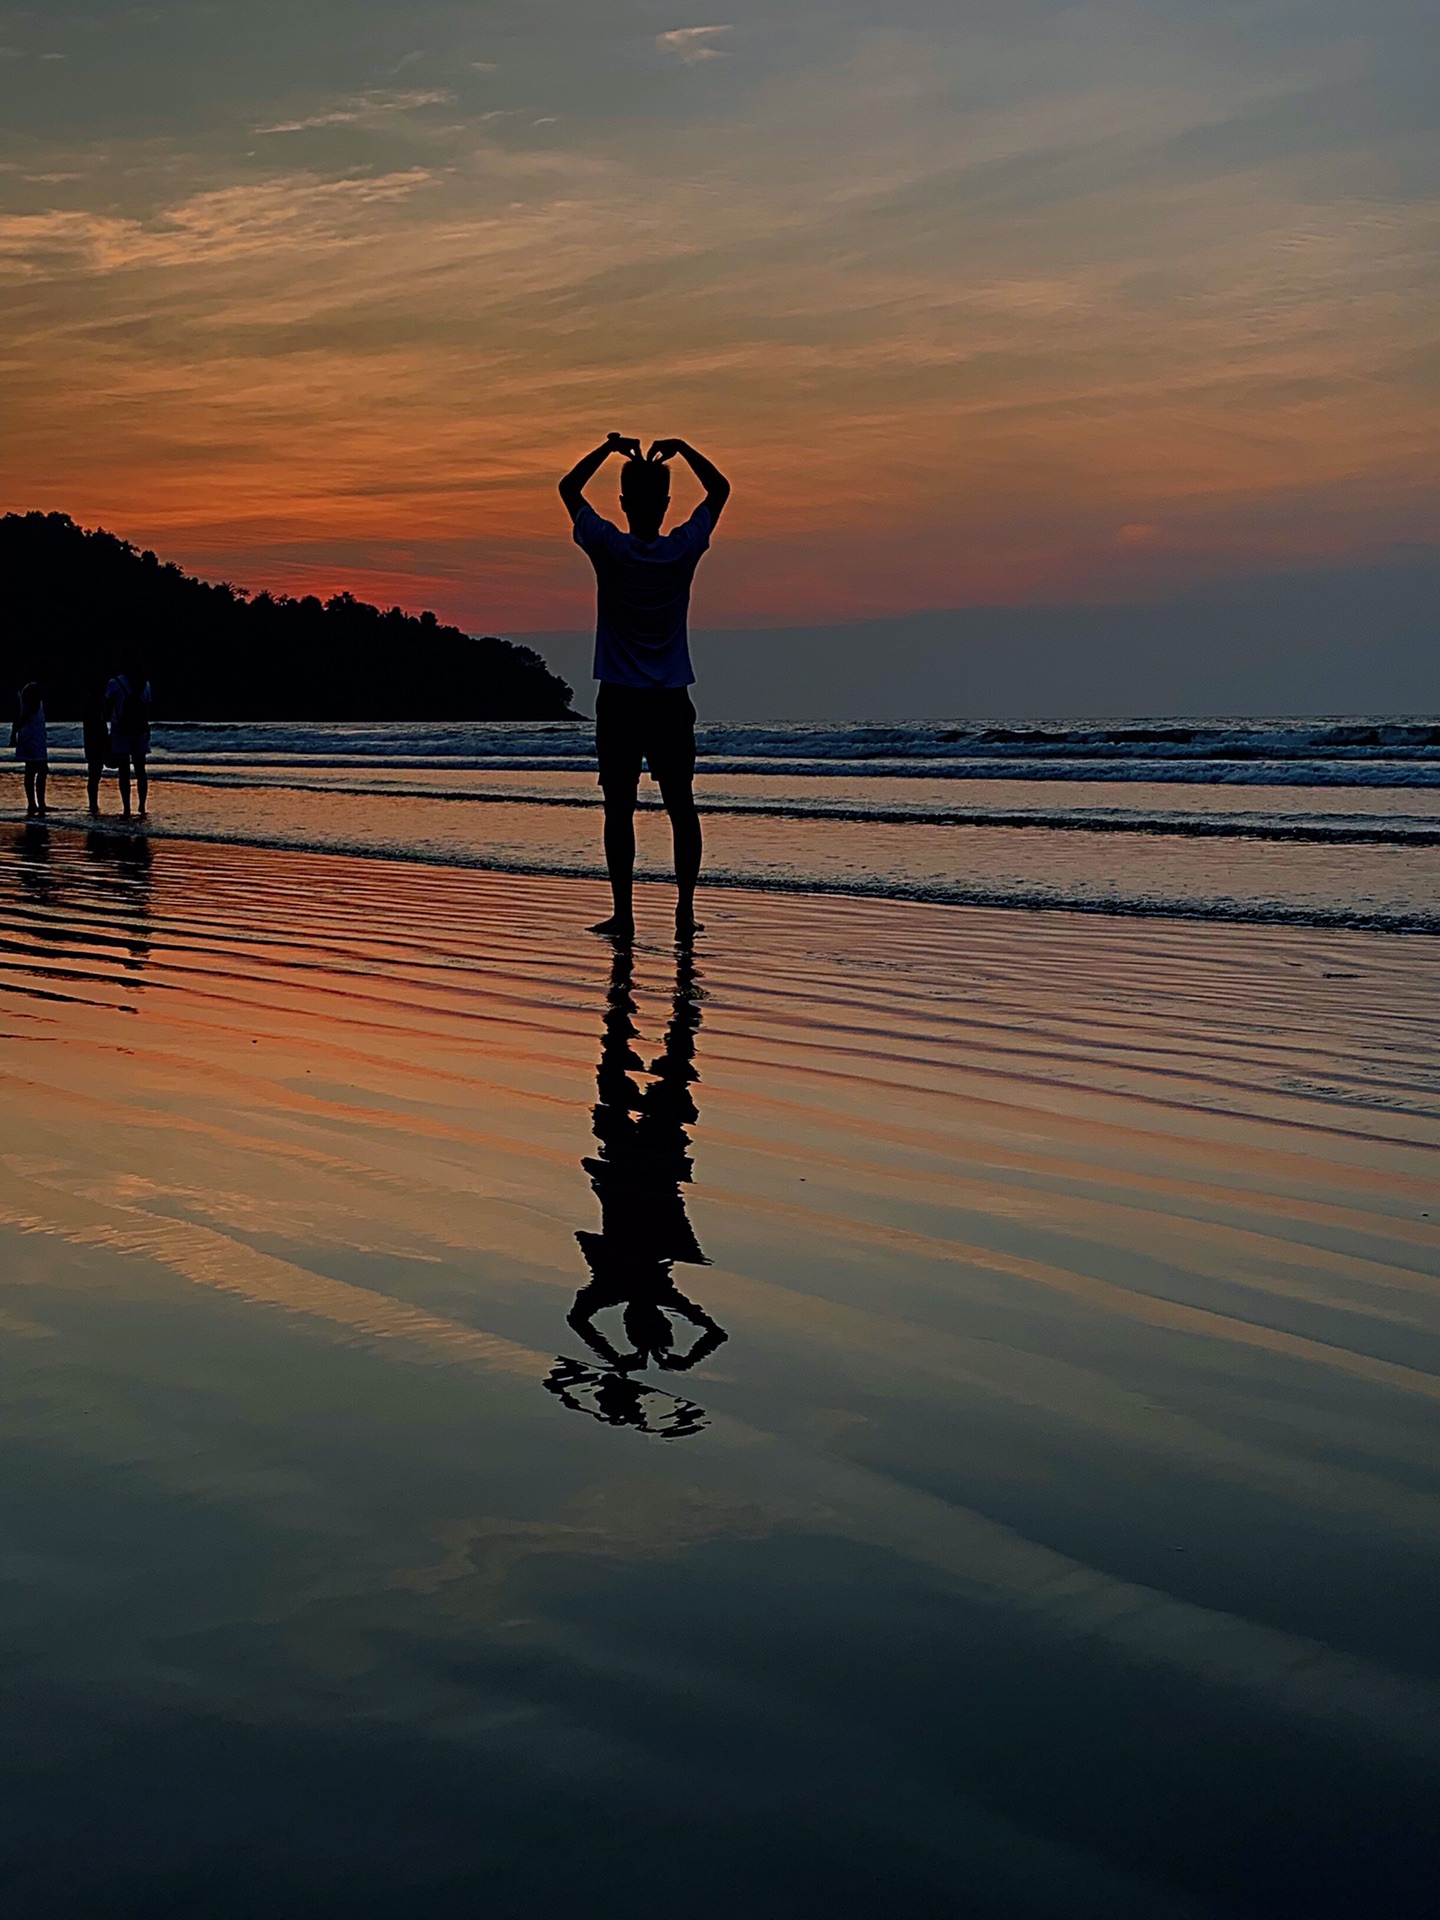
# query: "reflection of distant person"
127,709
637,1176
125,858
643,711
28,738
96,732
34,869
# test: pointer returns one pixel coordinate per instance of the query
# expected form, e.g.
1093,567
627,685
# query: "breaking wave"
1353,750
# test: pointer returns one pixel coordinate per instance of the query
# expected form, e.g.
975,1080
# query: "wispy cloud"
363,109
692,44
299,213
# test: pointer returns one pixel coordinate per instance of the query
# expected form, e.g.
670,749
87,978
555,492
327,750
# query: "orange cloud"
945,365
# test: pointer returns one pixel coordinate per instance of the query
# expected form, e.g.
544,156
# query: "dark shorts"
651,724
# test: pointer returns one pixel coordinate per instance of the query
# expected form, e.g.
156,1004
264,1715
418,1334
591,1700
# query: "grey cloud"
692,43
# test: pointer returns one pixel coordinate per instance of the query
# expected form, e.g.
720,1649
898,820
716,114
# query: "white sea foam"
1354,750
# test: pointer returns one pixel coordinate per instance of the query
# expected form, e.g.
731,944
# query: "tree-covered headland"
78,605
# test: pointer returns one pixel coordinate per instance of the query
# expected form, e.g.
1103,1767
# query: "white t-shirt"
643,599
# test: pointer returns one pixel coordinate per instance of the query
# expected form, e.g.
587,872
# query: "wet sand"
1306,856
1038,1514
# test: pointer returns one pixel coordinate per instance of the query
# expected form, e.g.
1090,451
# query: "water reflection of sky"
1060,1529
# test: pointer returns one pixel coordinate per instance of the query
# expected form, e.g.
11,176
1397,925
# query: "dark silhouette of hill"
77,604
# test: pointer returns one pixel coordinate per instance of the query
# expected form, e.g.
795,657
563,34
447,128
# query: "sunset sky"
1005,302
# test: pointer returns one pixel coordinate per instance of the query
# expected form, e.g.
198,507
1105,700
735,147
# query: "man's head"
648,1329
644,495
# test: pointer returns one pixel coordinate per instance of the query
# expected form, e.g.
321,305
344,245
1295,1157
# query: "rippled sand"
1046,1522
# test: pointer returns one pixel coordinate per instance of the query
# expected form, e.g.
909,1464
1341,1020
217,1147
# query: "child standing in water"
27,737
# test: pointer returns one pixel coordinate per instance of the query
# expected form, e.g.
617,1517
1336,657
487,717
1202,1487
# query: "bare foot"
617,927
686,925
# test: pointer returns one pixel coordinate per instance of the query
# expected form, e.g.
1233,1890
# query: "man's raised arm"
717,487
572,487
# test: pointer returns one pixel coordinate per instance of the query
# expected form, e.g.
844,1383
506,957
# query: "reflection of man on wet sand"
619,1400
642,1163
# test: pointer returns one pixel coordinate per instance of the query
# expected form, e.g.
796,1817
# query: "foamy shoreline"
1391,875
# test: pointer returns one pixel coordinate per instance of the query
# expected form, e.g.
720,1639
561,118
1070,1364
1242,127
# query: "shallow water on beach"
906,1407
1330,855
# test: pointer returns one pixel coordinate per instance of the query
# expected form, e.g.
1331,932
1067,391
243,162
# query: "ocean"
1330,822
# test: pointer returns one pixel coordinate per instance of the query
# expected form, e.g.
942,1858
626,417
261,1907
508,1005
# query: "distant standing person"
643,710
96,733
28,738
127,709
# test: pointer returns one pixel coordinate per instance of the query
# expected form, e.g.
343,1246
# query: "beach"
1039,1516
719,963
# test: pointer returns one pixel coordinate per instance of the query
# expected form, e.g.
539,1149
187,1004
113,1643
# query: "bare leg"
125,789
30,807
620,862
142,782
92,778
41,774
687,841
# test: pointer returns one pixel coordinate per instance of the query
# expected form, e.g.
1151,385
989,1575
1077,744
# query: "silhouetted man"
643,710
